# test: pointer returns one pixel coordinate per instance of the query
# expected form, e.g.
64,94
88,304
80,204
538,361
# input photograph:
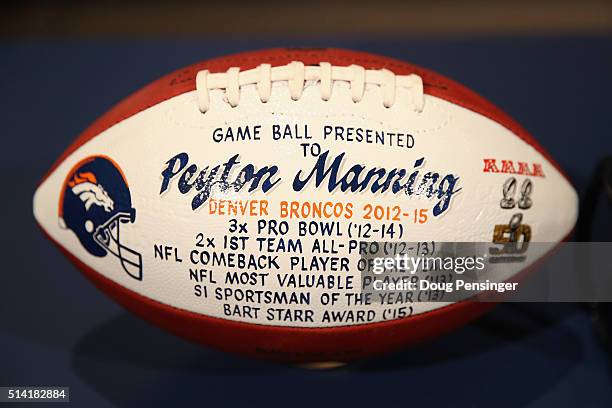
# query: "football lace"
296,75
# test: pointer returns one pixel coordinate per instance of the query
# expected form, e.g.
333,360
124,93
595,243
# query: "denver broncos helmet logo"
94,202
85,186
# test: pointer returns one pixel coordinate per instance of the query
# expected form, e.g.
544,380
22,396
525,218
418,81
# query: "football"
235,202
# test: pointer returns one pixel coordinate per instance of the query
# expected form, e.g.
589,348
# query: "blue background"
57,329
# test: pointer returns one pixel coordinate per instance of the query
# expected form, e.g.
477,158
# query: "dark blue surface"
56,329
